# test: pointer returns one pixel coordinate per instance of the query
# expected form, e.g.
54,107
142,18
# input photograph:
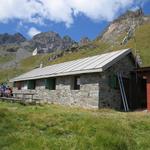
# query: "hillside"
110,40
59,127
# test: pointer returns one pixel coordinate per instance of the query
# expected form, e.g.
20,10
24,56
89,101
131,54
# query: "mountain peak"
9,38
131,14
122,25
51,41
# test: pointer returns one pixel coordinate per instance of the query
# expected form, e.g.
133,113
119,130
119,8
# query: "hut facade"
88,82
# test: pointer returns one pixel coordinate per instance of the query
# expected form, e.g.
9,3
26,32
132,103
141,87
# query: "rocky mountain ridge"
11,39
131,19
48,42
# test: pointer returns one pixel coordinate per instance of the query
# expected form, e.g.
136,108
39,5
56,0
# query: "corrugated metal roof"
93,64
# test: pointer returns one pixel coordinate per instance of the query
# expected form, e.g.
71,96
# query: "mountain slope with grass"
110,40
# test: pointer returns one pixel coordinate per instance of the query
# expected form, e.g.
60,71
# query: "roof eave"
60,74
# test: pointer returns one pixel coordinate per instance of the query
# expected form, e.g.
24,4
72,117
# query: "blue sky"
76,18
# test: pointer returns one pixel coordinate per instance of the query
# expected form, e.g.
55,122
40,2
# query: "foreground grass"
58,127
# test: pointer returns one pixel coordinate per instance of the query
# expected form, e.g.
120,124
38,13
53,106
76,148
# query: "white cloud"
33,31
37,11
100,9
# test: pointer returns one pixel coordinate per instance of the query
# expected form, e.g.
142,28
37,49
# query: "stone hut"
89,82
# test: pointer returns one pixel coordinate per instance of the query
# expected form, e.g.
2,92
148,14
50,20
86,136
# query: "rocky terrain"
131,19
50,41
84,41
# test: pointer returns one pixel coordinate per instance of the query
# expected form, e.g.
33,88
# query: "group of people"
5,91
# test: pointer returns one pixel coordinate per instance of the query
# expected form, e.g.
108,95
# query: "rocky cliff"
48,42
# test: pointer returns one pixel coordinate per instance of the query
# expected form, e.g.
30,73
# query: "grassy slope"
142,39
25,65
142,36
7,74
58,127
143,43
5,59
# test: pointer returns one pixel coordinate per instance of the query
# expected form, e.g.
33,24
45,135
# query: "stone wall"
109,97
87,96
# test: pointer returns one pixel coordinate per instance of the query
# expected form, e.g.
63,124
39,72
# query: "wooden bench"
20,97
10,99
15,95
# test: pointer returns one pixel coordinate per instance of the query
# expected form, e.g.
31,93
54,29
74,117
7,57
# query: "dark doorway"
137,92
135,89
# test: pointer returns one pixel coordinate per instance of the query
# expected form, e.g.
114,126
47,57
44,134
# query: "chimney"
41,65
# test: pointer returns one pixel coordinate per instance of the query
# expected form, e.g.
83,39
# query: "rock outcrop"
84,41
48,42
123,24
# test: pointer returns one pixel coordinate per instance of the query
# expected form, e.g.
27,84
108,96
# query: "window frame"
76,85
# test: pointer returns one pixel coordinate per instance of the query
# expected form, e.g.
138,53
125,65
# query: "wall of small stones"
87,96
109,97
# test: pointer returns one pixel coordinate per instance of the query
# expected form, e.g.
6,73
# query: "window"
113,81
76,83
31,84
50,83
40,84
14,84
24,85
18,85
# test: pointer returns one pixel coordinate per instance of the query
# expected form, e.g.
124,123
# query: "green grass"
64,128
5,59
7,74
142,36
143,43
34,61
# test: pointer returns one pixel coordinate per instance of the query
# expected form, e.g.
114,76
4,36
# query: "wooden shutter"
14,84
50,83
113,82
31,84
